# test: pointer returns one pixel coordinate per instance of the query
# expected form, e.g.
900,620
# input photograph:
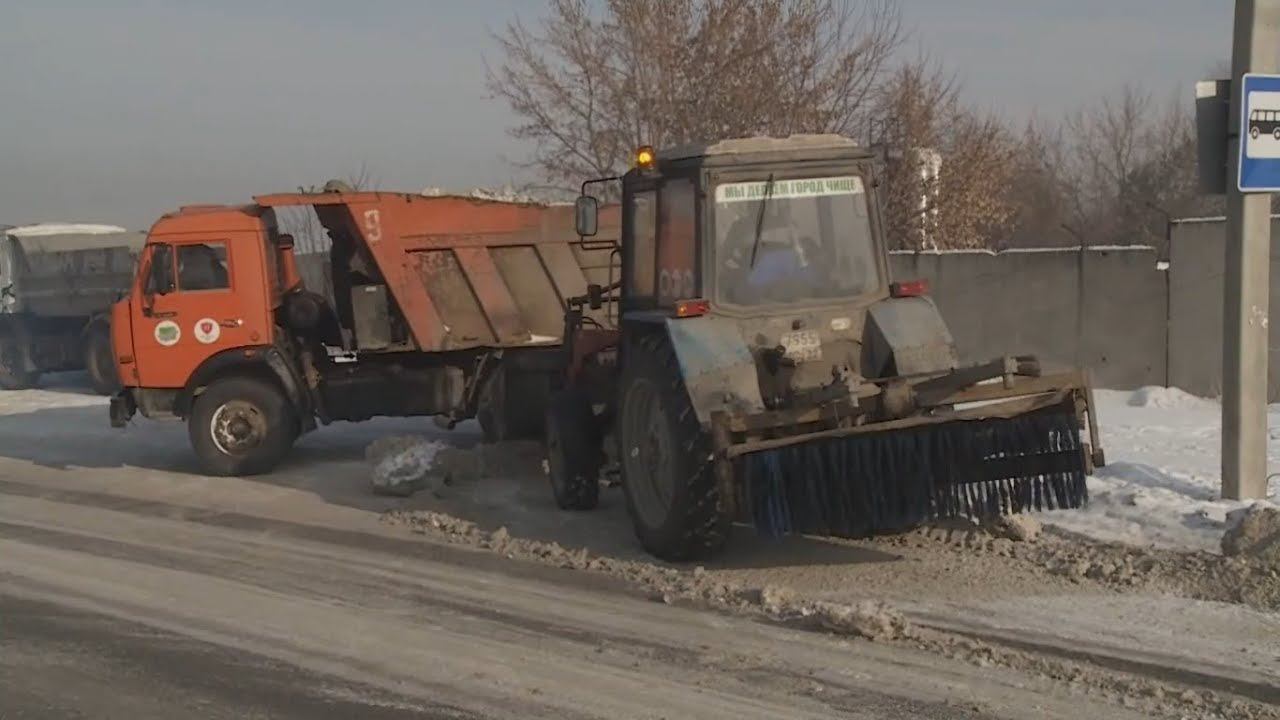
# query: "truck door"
199,297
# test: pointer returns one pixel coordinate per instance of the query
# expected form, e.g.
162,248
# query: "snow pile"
1155,396
402,464
405,464
1161,486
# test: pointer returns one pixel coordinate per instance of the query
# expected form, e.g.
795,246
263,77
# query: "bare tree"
1037,192
965,203
1129,165
592,82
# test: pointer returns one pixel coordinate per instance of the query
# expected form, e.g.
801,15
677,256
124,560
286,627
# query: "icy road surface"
134,587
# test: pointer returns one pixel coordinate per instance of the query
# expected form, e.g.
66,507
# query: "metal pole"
1255,48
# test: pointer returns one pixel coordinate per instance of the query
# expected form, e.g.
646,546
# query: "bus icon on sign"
1261,131
1264,122
1259,134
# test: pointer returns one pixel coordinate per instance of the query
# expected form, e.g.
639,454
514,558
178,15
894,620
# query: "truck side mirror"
284,241
160,275
586,212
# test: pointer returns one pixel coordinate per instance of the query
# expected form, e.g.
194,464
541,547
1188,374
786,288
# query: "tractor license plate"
802,345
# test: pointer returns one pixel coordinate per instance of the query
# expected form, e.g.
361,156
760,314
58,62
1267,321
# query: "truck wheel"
666,459
573,451
491,408
512,405
18,381
100,361
12,374
241,426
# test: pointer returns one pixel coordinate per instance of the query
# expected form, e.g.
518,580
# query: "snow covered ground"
1162,482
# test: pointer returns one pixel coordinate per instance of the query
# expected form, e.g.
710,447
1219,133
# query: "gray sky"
119,110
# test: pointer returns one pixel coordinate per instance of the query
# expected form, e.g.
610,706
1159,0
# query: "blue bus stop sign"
1260,134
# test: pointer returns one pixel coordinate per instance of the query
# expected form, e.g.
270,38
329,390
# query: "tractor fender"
717,366
261,360
904,336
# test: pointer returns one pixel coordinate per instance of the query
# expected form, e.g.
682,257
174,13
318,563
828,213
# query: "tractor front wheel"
667,475
574,454
241,426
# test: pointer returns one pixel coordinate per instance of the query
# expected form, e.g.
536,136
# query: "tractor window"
203,267
677,230
794,240
643,213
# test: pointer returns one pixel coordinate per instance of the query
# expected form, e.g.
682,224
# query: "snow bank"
1161,486
1154,396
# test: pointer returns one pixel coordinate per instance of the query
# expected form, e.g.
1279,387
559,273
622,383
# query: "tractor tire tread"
704,528
569,412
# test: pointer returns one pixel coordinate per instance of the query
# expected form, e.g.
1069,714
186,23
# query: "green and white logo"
168,333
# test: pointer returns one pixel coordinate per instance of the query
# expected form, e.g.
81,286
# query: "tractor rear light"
909,288
692,308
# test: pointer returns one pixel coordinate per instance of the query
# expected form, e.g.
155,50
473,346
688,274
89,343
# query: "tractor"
755,363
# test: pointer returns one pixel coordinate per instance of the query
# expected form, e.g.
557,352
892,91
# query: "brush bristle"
894,480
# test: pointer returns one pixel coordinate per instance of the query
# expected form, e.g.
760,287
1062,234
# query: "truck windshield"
794,241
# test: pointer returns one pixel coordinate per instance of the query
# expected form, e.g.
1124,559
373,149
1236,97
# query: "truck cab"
205,285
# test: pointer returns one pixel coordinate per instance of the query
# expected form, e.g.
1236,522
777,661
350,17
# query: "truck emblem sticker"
168,333
207,330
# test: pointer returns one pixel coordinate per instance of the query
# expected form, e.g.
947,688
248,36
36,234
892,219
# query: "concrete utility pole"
1256,48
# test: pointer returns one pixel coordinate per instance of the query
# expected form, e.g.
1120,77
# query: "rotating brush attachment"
893,480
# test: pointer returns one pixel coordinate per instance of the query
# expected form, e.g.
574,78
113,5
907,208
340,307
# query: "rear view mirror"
160,275
284,241
586,215
595,296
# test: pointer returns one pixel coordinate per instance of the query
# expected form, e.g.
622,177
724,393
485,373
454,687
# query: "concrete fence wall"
1104,308
1196,260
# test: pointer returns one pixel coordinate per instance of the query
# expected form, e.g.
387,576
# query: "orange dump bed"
465,272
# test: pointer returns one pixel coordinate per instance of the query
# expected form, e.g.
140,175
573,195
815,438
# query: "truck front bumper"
123,408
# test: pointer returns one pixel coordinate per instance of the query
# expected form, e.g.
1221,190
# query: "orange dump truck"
445,306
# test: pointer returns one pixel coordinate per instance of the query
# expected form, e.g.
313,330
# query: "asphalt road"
60,662
132,587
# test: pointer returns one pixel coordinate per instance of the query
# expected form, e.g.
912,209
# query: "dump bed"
65,270
465,272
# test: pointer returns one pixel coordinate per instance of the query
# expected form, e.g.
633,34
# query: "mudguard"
717,366
905,336
264,357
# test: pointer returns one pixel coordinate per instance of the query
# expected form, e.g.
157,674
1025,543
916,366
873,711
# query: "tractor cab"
762,366
777,245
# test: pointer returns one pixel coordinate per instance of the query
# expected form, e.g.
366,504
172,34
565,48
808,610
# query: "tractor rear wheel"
241,426
667,475
573,451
